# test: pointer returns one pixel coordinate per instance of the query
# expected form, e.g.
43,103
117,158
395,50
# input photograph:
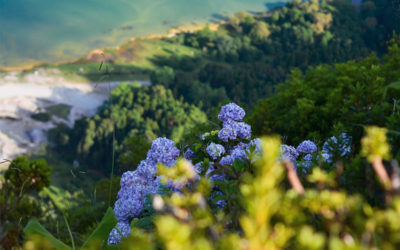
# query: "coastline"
170,33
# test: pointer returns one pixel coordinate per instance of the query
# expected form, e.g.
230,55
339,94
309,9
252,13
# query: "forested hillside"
248,55
131,119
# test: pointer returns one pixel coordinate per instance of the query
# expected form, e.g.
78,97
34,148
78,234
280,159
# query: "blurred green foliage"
19,200
37,237
272,216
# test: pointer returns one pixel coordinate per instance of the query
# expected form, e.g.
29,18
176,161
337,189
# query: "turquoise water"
34,31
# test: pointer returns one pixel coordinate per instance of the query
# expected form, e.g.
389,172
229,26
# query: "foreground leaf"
102,231
33,228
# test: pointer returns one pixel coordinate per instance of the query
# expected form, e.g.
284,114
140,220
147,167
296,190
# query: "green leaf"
111,247
102,230
33,228
392,86
238,165
393,132
145,223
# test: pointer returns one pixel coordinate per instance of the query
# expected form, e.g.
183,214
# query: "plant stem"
381,171
70,233
293,178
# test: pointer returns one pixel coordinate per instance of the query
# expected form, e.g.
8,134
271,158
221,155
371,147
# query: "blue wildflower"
146,169
242,145
198,167
215,150
220,204
243,130
135,185
308,157
307,147
128,208
340,146
227,160
227,133
306,165
214,177
289,152
239,153
175,186
139,176
231,111
163,151
115,236
232,129
189,154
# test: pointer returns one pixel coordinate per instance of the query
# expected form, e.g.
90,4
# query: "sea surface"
33,31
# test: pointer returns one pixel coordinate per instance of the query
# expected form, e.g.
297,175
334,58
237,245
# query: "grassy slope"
133,60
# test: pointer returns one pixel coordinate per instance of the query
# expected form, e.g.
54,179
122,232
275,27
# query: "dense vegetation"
334,200
328,97
248,55
19,200
131,119
232,193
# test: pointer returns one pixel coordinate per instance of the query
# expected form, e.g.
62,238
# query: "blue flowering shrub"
239,192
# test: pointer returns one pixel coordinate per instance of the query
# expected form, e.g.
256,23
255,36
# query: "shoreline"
47,92
170,33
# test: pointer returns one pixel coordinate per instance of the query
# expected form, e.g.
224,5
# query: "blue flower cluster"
307,147
162,151
289,152
214,177
235,135
135,185
239,153
233,128
189,154
340,146
218,202
227,160
231,116
231,112
215,150
115,236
